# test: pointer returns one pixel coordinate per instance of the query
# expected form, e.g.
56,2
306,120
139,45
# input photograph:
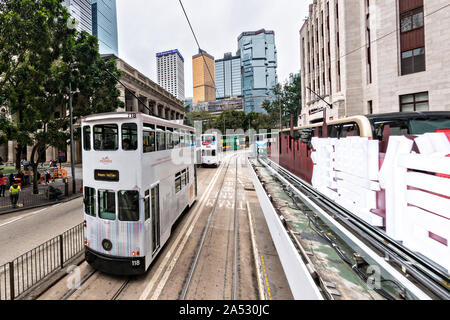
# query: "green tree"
35,80
230,119
259,121
287,100
204,116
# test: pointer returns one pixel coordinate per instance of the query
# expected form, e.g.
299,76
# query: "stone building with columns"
153,100
369,57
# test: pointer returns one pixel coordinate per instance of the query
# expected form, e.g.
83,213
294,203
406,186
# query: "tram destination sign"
106,175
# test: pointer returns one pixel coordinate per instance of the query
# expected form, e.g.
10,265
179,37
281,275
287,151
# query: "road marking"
23,217
152,282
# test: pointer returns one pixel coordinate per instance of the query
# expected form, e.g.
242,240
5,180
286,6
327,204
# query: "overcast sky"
150,26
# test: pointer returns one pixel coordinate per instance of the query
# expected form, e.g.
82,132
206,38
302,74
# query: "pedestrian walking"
11,179
47,176
14,194
2,185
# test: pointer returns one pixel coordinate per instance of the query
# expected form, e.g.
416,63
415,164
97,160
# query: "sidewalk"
28,200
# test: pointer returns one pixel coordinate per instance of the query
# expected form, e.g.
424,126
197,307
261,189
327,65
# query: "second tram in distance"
139,177
211,149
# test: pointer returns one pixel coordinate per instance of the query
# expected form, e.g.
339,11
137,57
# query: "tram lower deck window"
107,204
89,201
106,137
129,206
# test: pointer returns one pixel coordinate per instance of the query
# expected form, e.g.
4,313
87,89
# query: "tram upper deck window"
129,136
107,205
169,139
349,130
149,141
87,138
178,182
106,137
182,140
128,205
176,139
161,140
89,201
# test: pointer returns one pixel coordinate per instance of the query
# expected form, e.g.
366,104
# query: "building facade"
81,11
203,71
170,68
259,68
104,26
228,76
153,100
369,56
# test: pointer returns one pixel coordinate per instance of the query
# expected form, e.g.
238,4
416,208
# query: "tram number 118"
135,263
132,116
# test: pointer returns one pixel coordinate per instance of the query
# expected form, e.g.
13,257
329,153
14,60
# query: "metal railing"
30,269
48,194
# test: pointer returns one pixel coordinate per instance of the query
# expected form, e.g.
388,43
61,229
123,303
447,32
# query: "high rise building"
203,77
259,62
228,76
170,68
104,25
368,57
81,11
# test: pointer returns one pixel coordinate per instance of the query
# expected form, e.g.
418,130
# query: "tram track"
205,243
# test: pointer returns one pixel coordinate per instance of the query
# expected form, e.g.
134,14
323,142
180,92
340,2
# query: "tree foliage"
40,57
288,100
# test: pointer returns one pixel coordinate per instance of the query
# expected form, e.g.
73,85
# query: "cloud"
147,27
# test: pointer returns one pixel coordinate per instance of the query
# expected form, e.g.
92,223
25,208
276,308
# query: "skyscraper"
81,11
104,25
203,76
259,63
170,65
228,76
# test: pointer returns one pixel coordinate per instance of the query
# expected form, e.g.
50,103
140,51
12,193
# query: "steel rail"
236,230
205,231
428,275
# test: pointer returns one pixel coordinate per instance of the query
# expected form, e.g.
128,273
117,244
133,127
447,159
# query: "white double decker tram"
139,177
211,149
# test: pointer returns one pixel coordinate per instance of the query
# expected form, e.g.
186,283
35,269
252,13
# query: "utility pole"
72,154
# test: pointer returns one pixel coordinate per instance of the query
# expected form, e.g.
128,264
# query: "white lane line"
188,224
23,217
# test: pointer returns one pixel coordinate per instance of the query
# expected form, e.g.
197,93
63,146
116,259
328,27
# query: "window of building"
411,20
413,61
414,102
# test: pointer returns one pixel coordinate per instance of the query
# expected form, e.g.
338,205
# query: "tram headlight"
107,245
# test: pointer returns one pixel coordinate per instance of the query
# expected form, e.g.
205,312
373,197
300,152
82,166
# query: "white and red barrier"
416,202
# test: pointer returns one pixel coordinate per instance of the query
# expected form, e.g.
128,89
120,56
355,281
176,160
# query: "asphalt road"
25,230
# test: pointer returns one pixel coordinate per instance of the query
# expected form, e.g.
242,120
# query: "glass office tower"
259,66
80,10
104,25
228,77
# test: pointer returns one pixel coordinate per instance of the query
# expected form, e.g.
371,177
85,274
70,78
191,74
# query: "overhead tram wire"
198,45
322,68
